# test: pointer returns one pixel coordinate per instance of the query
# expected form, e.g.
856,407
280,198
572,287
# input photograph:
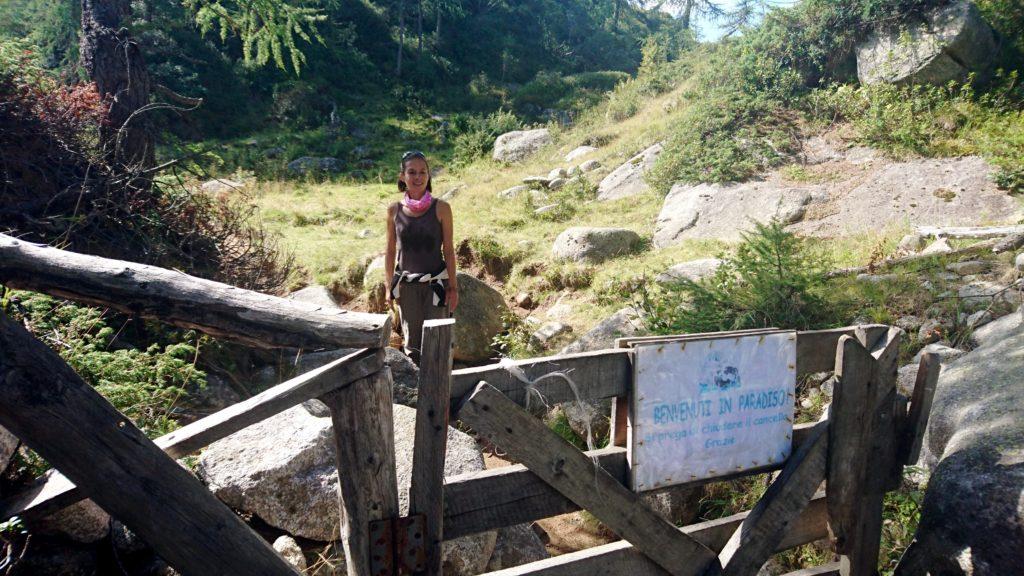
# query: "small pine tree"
775,280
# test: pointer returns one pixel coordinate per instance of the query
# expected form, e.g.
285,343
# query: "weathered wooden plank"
621,557
759,535
500,497
600,374
830,569
630,341
608,373
69,424
920,407
426,494
362,420
52,491
816,349
976,232
364,441
186,301
861,557
890,262
567,469
619,425
849,438
510,495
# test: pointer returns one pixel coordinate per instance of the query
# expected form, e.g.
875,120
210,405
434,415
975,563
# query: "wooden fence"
856,452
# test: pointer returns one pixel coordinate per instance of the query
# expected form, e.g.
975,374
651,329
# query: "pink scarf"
417,205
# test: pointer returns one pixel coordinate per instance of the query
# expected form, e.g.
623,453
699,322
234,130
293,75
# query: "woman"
419,234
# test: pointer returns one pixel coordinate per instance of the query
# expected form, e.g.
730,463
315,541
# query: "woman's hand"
452,296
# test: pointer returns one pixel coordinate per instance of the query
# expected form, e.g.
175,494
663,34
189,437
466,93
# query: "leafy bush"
949,120
474,135
562,204
64,190
144,385
567,277
660,71
774,279
743,121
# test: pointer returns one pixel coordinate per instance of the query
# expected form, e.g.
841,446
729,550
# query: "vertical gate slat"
75,429
426,493
364,440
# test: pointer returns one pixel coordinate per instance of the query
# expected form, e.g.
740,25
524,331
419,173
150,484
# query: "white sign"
709,407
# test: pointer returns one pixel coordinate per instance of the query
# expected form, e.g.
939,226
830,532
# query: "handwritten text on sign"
707,408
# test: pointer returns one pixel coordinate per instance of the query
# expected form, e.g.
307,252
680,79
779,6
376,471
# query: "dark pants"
416,304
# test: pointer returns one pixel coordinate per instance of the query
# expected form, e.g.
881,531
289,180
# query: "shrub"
568,277
561,204
58,187
144,384
774,279
742,121
474,135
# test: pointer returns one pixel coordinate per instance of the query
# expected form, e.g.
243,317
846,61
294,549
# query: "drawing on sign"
716,377
710,407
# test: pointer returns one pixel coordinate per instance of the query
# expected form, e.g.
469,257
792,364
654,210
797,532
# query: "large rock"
221,187
373,285
520,144
628,180
579,152
312,165
946,45
927,191
316,295
625,322
83,522
284,471
724,211
586,244
478,319
693,271
8,444
404,374
972,520
515,546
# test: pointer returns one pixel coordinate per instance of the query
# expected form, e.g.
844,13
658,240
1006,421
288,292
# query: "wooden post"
619,428
573,474
849,440
862,449
68,423
364,440
920,407
756,539
426,494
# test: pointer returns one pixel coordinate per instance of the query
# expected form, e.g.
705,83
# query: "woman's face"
415,175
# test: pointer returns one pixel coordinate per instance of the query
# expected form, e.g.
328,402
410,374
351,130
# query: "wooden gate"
856,451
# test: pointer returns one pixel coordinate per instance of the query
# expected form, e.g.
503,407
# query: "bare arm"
444,214
390,250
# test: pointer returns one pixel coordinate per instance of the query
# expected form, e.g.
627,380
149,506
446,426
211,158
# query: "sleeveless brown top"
419,240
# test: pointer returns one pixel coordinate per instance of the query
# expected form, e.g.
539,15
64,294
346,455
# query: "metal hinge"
397,546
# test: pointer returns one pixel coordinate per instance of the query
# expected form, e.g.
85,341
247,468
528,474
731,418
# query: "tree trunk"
419,29
615,15
114,62
437,28
401,37
685,16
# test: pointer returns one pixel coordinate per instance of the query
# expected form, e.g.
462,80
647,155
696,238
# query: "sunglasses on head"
413,154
